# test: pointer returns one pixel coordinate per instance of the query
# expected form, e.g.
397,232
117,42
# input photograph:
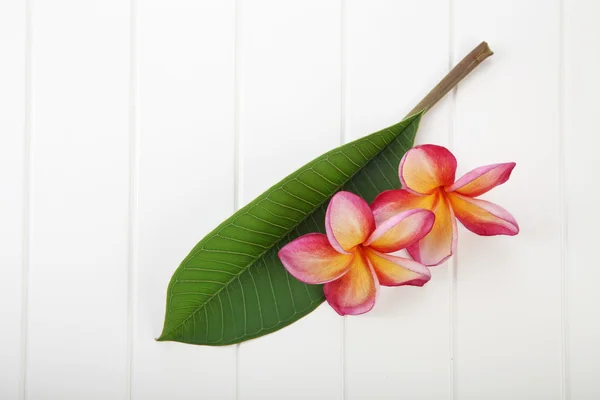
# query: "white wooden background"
128,130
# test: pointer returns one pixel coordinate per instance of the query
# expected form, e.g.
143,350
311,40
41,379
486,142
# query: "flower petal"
349,221
391,202
427,167
397,271
482,179
440,243
355,292
311,259
482,217
401,230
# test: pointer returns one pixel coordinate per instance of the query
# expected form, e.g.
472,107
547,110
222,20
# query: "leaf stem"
461,70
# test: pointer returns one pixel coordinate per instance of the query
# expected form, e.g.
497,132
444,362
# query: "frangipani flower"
427,174
352,260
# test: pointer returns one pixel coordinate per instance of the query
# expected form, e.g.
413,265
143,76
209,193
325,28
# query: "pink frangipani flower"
352,260
427,175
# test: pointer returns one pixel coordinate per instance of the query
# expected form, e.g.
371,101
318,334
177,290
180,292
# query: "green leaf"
232,286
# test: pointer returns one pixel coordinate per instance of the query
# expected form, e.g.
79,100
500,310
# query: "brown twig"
462,69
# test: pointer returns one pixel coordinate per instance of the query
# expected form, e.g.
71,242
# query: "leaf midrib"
260,255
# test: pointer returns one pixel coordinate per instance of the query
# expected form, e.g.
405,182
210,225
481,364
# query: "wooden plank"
508,332
580,138
402,345
186,71
80,200
289,67
13,196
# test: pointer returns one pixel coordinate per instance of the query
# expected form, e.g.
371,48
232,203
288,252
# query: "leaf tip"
164,337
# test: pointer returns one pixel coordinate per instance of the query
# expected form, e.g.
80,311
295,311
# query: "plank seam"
564,317
453,267
27,189
132,256
237,162
343,138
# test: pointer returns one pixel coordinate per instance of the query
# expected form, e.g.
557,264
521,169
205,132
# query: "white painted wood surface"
118,117
289,68
13,194
183,147
76,331
580,87
509,341
378,364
